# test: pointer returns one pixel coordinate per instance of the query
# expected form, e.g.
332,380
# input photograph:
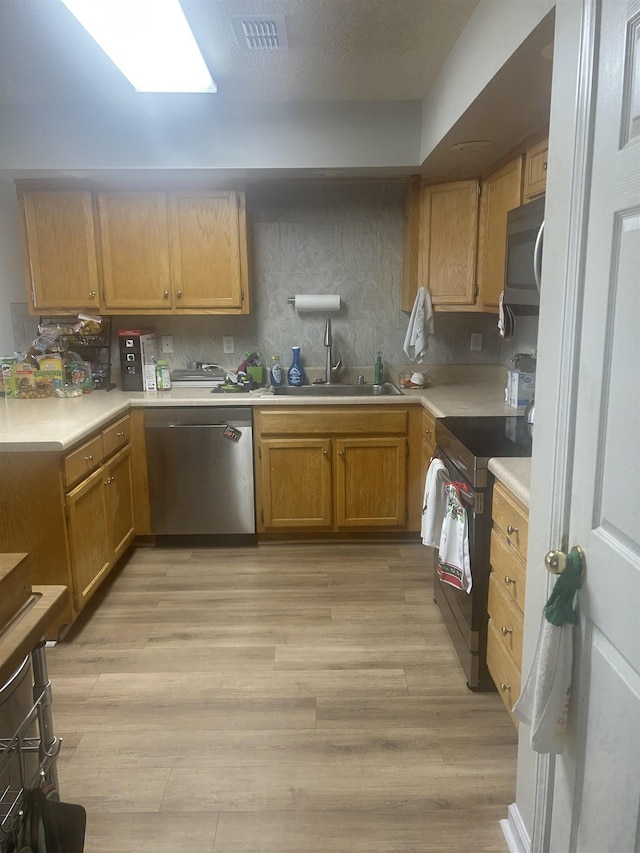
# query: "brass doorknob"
556,561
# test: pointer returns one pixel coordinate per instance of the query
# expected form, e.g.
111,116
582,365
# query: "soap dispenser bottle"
295,374
378,372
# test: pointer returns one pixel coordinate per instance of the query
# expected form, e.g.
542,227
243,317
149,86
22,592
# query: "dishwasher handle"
196,426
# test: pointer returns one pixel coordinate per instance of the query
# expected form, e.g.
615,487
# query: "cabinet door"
135,250
535,171
449,233
206,270
296,483
119,502
371,482
501,192
60,247
88,537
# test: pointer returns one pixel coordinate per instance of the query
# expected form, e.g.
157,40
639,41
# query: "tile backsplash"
329,238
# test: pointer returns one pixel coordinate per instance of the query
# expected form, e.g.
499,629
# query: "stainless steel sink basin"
338,390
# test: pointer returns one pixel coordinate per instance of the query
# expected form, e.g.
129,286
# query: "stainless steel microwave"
525,226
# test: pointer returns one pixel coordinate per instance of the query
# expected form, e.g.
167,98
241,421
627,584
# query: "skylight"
148,40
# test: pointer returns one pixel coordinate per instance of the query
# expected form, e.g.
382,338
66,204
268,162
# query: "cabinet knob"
511,529
509,580
165,294
92,294
88,458
506,631
120,434
341,453
107,482
325,452
504,687
179,294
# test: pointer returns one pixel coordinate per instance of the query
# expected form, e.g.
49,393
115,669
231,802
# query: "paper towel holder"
321,303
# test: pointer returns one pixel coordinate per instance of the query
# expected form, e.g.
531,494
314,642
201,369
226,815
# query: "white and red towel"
434,503
454,566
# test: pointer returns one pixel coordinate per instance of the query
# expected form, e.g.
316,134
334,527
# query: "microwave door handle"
537,256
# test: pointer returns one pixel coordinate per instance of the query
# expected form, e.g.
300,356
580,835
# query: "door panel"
597,785
119,501
88,538
371,482
296,483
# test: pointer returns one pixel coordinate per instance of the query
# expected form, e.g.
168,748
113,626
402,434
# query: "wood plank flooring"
284,698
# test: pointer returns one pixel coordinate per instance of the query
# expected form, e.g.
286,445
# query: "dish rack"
15,775
96,349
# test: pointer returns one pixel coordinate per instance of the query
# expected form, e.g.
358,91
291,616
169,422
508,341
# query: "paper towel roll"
317,302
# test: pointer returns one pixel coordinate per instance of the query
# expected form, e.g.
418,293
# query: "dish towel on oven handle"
454,566
434,502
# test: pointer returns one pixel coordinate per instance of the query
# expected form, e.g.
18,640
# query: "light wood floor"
285,698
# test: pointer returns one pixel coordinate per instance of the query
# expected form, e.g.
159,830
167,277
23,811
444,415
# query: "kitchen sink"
338,390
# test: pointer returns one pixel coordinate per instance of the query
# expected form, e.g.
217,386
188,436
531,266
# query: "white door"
596,786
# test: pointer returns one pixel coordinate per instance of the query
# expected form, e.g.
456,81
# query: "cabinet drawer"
83,461
503,670
512,518
508,566
116,436
506,618
333,421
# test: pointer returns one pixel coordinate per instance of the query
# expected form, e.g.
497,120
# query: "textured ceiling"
339,50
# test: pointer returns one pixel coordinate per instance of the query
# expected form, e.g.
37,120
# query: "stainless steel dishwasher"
200,463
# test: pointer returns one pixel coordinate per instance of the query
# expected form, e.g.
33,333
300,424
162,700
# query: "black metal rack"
95,349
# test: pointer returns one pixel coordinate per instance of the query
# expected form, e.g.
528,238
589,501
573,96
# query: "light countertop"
515,474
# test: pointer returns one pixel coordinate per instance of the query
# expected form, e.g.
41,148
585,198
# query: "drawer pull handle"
88,458
120,434
504,687
511,529
509,580
506,631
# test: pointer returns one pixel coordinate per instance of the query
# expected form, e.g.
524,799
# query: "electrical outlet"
476,341
167,343
227,344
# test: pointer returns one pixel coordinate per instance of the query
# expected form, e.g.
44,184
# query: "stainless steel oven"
465,446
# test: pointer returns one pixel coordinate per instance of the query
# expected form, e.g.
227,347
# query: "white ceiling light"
150,42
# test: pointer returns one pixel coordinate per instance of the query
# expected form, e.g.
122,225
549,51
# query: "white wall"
493,33
11,264
187,132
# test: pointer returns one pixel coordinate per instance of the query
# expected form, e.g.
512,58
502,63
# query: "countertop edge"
515,475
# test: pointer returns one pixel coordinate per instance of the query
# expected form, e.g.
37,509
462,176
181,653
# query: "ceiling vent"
264,32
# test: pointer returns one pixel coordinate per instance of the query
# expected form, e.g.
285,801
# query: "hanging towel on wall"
544,700
434,503
420,326
454,566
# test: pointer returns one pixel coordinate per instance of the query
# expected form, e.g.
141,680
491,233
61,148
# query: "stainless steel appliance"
200,462
465,445
525,227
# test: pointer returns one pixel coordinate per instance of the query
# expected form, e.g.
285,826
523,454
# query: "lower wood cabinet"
73,511
509,538
332,469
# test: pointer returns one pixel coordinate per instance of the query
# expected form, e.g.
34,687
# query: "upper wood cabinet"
60,249
134,230
535,171
136,251
500,192
448,242
206,258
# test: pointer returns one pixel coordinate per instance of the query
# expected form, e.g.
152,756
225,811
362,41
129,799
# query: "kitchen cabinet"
535,171
509,538
59,239
118,251
334,468
448,243
500,192
74,511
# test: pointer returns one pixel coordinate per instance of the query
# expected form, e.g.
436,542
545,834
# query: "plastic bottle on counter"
275,374
295,374
163,375
378,370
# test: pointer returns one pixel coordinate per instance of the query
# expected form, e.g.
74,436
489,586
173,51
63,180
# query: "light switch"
167,343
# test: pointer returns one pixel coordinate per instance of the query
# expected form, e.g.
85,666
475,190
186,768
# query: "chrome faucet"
331,369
